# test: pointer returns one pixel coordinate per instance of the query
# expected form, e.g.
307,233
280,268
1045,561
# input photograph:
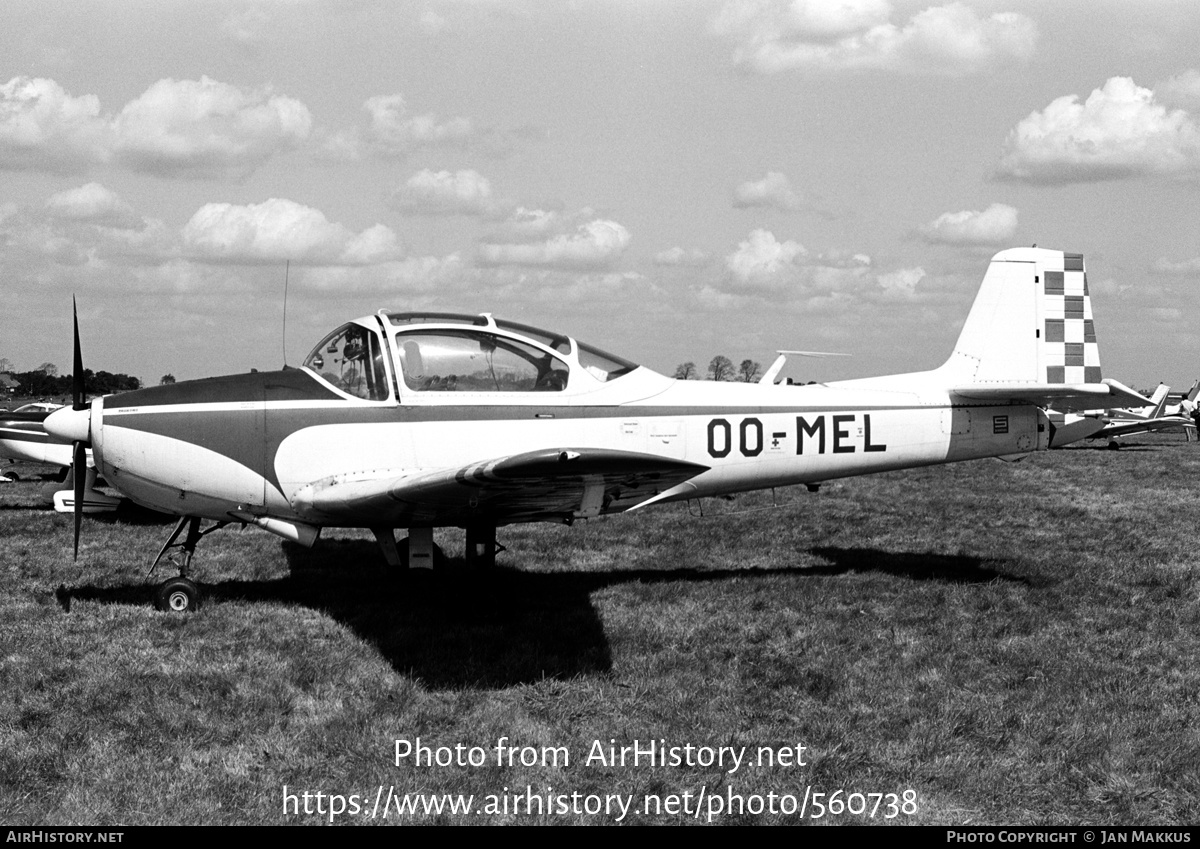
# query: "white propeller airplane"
23,437
424,420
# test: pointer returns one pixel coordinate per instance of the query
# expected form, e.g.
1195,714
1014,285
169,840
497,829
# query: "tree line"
721,368
45,381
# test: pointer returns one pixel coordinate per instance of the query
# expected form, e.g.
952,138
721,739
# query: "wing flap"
558,483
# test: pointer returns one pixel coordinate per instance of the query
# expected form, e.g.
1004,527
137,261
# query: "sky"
666,180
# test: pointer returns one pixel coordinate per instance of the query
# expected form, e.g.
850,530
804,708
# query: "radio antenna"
286,268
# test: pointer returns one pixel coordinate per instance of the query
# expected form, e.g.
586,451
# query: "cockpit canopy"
351,359
451,352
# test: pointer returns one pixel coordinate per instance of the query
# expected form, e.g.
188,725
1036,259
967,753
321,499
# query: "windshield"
351,359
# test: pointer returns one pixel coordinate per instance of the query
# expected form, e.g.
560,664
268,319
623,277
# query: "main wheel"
177,595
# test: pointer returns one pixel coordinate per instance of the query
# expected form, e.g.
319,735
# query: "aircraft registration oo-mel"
424,420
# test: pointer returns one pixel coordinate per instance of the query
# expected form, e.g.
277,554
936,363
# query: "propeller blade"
78,402
77,389
79,468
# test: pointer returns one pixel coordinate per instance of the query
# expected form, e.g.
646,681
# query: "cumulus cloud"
1182,90
1186,268
785,272
819,35
87,225
994,225
278,230
176,128
597,244
391,127
523,224
763,260
444,193
42,127
1121,130
94,204
690,258
773,191
417,279
390,131
901,283
207,128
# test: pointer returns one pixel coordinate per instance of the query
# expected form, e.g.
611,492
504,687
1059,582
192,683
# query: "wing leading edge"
557,483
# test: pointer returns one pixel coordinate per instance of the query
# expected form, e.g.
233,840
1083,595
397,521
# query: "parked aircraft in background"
1161,416
37,407
1115,424
23,437
406,420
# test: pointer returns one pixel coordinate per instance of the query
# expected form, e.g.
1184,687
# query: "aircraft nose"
69,425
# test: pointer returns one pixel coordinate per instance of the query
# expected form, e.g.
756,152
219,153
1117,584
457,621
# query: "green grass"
1016,643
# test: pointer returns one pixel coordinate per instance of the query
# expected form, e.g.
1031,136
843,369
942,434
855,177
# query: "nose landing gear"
181,594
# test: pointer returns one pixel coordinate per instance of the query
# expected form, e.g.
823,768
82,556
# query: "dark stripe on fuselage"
288,385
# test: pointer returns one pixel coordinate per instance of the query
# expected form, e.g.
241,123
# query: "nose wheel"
177,595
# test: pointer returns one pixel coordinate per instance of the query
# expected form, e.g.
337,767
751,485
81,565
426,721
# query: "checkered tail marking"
1069,348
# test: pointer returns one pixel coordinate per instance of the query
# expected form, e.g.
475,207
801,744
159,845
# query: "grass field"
1006,643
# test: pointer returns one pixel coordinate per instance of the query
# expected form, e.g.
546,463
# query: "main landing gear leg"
415,551
420,548
180,594
386,537
481,546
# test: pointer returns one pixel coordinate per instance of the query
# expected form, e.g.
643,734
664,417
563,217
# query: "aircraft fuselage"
272,434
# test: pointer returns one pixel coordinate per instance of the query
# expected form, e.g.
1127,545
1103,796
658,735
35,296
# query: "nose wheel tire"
177,595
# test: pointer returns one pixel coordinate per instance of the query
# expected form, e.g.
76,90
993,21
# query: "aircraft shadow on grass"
1124,447
505,627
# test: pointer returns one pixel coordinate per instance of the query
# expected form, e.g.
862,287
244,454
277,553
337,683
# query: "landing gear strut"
180,594
482,547
418,551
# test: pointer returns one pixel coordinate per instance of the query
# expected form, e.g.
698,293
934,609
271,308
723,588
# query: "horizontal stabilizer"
777,366
1063,397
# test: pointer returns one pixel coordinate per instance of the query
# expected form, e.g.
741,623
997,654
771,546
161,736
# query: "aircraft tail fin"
1160,400
1194,391
1031,323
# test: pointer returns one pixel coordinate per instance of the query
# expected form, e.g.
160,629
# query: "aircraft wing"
1065,398
555,483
